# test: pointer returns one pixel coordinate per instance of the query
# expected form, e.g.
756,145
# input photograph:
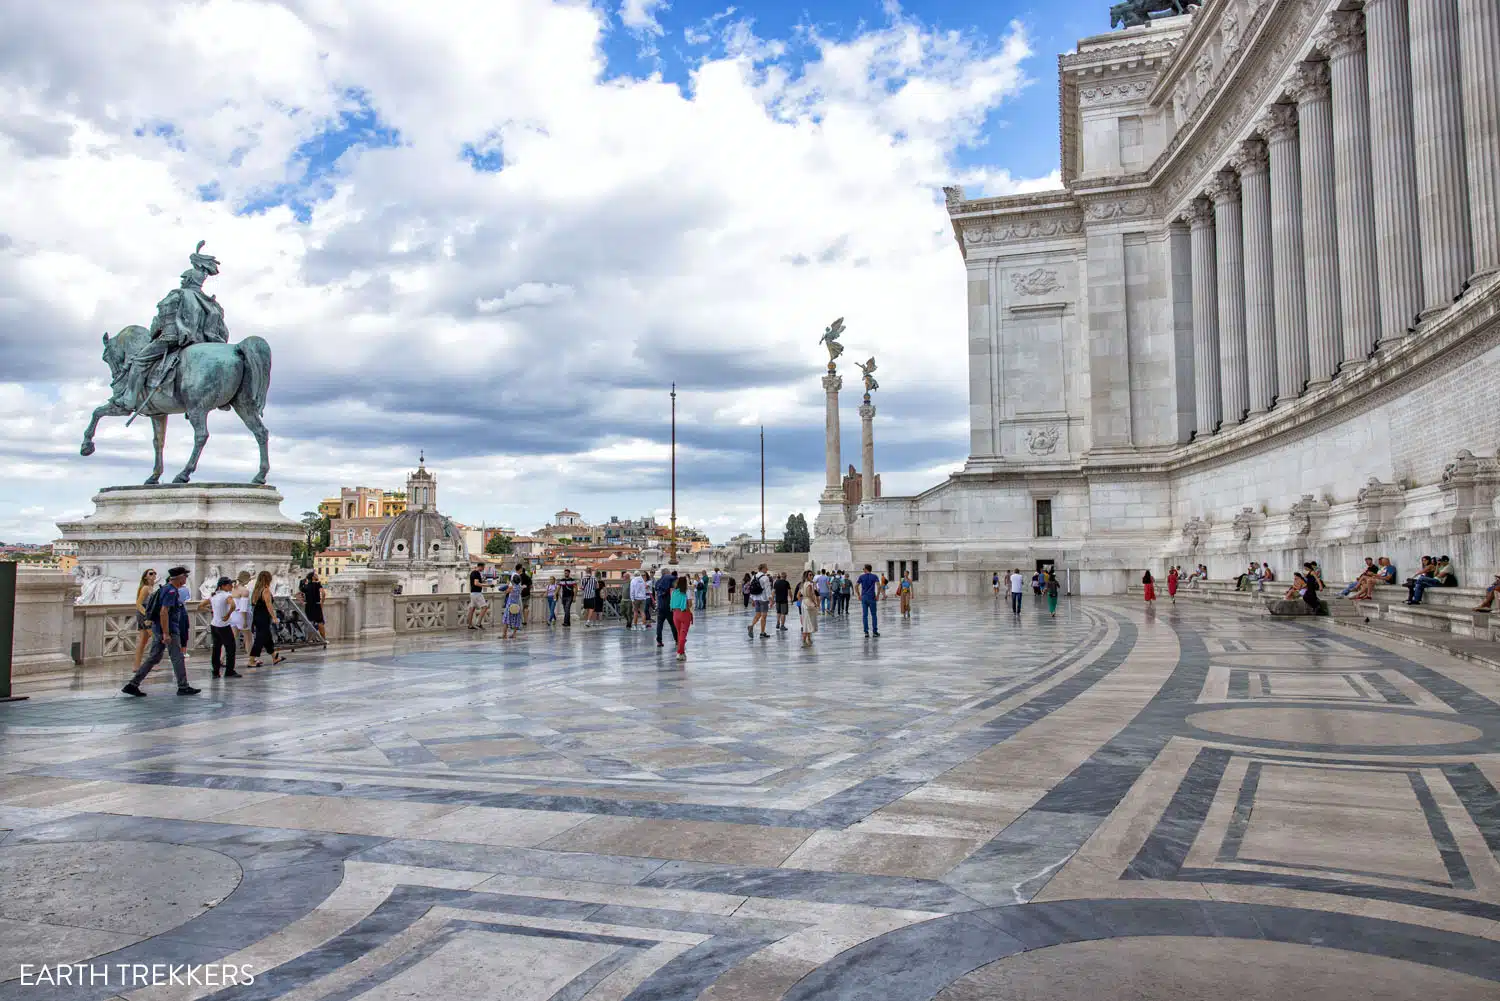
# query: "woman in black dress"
262,618
312,600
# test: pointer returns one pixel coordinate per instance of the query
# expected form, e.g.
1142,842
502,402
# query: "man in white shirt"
221,604
1017,585
760,597
638,598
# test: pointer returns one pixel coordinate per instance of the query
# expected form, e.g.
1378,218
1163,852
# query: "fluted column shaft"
1205,320
833,486
1280,129
1479,50
1437,112
867,450
1229,266
1320,221
1359,300
1260,299
1393,161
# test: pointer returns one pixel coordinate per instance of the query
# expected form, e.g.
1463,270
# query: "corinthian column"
1359,303
1392,154
1224,191
1437,105
1205,319
1479,50
1319,220
832,487
867,450
1260,303
1280,129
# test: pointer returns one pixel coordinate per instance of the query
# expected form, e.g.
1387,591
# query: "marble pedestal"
830,543
210,528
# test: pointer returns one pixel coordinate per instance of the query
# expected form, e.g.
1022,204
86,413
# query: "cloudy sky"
498,231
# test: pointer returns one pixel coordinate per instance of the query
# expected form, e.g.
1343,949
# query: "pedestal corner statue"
184,364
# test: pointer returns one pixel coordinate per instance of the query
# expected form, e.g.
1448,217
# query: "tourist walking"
664,617
730,588
1036,584
1172,584
513,614
782,589
526,582
1150,585
1017,583
682,613
221,609
477,604
808,601
903,591
700,592
759,592
591,597
566,592
1050,586
745,590
995,583
639,598
143,594
820,581
169,632
239,620
869,616
262,617
312,601
551,601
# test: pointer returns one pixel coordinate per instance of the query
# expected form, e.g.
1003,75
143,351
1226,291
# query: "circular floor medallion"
1169,968
1334,727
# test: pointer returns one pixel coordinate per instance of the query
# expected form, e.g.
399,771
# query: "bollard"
7,628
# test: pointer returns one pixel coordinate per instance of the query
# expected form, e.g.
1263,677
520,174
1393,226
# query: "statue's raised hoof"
87,448
180,478
259,480
153,479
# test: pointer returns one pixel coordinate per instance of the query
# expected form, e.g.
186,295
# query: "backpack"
756,587
153,605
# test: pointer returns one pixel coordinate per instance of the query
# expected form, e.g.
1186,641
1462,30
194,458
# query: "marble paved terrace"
1180,803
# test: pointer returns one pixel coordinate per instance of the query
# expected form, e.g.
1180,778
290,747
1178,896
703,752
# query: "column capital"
1200,213
832,383
1223,188
1309,82
1278,124
1250,157
867,412
1343,35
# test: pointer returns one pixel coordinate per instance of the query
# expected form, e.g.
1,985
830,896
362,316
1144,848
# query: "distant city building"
65,553
421,544
332,561
359,514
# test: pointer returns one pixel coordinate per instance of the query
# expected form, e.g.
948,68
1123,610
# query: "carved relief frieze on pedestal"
1246,524
1468,487
1194,531
1306,520
1376,507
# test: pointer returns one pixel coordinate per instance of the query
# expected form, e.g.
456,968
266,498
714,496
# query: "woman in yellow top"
143,627
682,613
903,590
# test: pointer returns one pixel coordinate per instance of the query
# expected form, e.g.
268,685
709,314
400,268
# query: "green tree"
314,540
499,545
796,538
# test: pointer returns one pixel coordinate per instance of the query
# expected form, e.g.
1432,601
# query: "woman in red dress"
1150,583
1172,583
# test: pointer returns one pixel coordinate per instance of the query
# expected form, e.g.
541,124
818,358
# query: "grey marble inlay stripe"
1479,798
1239,822
1388,691
916,962
1166,849
811,885
1239,683
1442,834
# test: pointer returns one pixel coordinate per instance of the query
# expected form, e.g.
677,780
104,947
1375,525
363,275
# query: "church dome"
421,536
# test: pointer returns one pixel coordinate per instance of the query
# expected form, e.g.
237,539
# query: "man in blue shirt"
867,583
664,585
169,634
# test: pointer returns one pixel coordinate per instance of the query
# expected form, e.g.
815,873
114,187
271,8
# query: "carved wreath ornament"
1042,442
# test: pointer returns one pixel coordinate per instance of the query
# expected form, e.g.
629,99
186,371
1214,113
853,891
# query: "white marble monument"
1259,320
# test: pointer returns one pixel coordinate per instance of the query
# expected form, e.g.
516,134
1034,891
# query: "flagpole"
762,484
672,544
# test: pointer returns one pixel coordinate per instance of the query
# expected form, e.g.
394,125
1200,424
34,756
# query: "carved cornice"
1133,205
987,231
1096,94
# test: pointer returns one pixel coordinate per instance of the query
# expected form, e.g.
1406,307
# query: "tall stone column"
1359,302
1319,220
1251,161
1205,319
1224,192
833,484
1398,252
1479,52
1437,111
867,450
1280,129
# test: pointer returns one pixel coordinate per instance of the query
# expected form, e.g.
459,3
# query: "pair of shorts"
315,614
593,604
782,608
762,604
476,600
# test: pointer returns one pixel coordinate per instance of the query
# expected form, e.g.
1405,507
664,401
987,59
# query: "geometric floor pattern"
1119,802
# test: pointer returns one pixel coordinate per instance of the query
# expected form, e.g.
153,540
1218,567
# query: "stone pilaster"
1224,192
1437,112
867,451
1205,319
1359,302
833,484
1393,161
1319,220
1254,169
1280,129
1479,53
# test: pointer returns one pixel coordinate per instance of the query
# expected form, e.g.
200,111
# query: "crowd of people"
1044,584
